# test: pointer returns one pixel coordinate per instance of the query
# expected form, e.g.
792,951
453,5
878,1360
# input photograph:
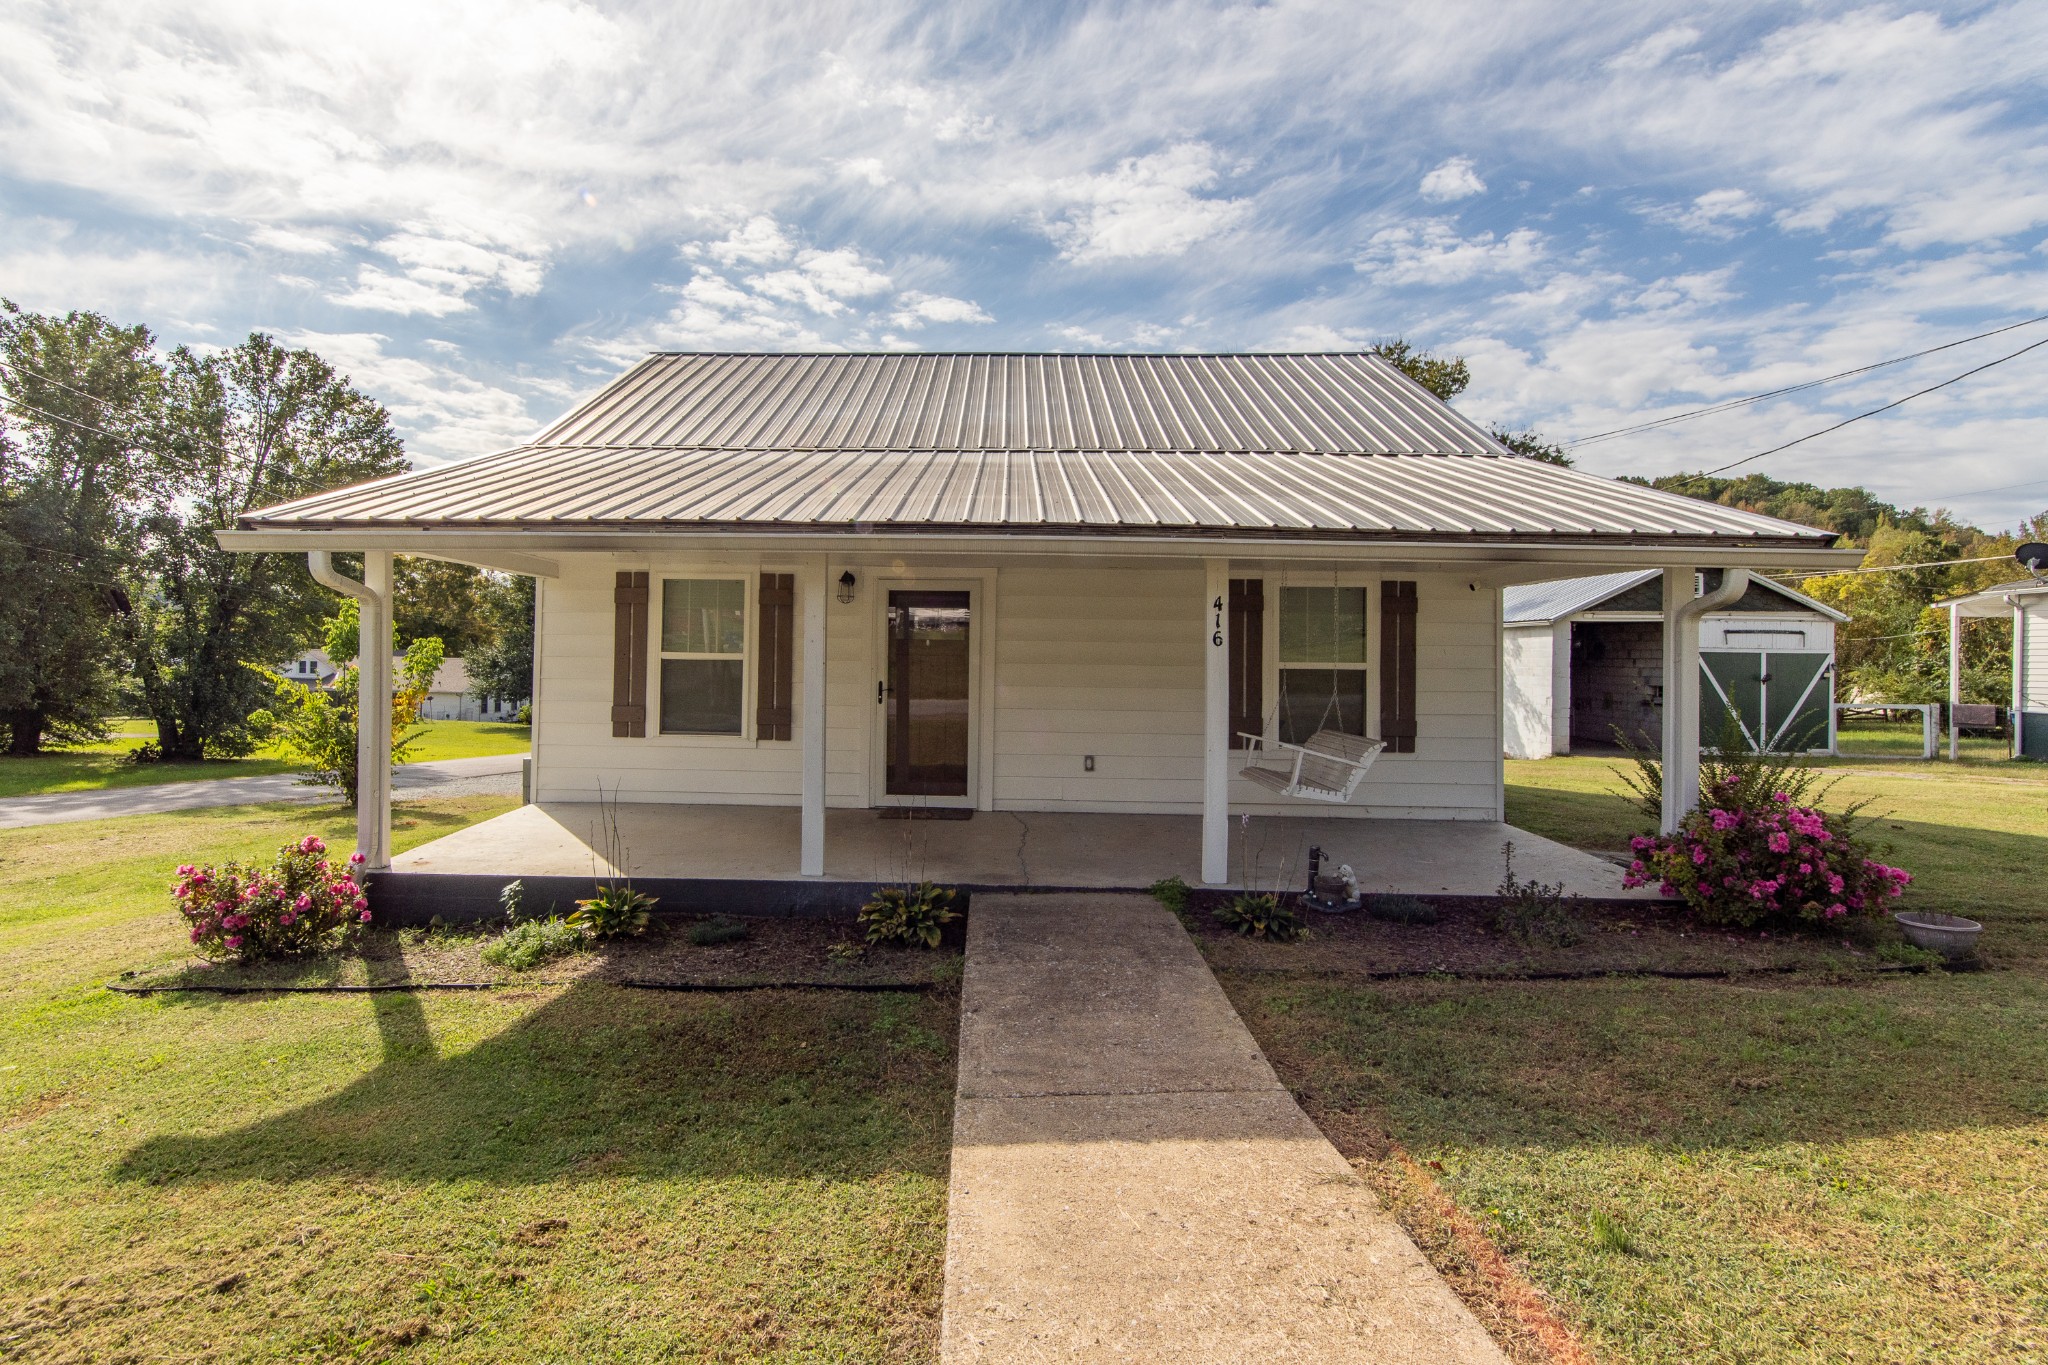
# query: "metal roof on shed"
1531,604
1331,446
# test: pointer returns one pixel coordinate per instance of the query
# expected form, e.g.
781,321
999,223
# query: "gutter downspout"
1682,612
373,697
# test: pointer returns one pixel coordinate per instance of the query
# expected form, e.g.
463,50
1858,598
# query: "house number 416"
1216,637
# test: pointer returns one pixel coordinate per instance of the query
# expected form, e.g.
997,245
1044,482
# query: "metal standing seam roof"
1528,604
1305,445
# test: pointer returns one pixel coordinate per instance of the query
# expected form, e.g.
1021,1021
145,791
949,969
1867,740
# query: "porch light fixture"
846,582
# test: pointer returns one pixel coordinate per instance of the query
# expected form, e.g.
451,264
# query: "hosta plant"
616,909
301,903
909,916
1262,916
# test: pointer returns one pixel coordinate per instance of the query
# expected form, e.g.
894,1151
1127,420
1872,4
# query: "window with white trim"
703,655
1321,662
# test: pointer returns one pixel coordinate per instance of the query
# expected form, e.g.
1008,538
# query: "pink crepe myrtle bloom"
234,940
355,859
363,904
364,917
286,919
1780,843
312,844
303,903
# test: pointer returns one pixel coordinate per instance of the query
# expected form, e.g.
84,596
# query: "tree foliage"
320,726
73,451
432,597
1447,376
503,665
241,429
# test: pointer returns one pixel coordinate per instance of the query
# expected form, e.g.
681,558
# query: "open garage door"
1779,701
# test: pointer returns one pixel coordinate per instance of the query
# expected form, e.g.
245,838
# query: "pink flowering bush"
300,904
1742,861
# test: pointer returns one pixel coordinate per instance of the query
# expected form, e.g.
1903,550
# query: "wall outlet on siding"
1087,763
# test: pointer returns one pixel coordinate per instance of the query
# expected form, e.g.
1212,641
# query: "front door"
929,724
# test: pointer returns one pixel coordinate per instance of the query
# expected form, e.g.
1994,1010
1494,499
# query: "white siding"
1083,661
2034,655
1528,659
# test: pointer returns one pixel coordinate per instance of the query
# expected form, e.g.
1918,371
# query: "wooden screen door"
929,724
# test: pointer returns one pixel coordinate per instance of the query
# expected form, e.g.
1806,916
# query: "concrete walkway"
1131,1182
497,774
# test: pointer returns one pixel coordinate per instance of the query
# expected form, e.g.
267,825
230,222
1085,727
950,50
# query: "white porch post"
2019,679
1955,677
817,584
1216,725
373,714
1681,737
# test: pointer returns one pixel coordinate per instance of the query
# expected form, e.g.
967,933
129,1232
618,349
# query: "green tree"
244,428
1532,445
1444,376
79,391
320,727
446,601
503,665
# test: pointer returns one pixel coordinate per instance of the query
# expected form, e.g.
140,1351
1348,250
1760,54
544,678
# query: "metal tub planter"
1954,937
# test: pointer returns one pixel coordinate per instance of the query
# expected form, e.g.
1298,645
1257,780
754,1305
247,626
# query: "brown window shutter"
773,713
629,656
1247,658
1397,666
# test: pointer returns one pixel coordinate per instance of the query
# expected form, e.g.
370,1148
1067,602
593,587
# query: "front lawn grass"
579,1172
98,767
1803,1169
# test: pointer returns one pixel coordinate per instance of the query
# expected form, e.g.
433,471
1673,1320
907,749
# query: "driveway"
496,775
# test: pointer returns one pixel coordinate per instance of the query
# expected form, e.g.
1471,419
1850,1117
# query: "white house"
1584,658
449,698
312,668
2025,604
1018,582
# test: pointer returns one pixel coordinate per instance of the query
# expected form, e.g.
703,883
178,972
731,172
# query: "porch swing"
1329,764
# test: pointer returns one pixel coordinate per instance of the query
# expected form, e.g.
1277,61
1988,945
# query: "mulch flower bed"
1647,937
775,952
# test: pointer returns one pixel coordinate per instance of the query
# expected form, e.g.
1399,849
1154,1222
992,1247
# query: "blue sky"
1615,211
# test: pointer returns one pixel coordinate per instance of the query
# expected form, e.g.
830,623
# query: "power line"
1919,393
47,379
1891,568
1999,488
53,417
1727,404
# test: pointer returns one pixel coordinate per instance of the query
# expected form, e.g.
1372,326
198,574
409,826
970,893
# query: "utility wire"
23,369
53,417
1791,388
1890,568
1918,393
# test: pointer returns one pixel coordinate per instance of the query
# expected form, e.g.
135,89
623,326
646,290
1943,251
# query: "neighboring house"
310,669
449,698
1016,582
1584,658
2025,604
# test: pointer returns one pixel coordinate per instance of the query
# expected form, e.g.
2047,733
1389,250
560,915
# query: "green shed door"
1780,701
1731,683
1797,693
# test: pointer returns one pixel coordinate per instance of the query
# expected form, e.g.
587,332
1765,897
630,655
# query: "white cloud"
822,281
914,309
1713,214
1656,49
292,241
446,413
1147,206
1454,179
758,241
1432,252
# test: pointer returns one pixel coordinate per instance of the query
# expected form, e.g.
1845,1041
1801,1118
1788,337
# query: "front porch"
1002,848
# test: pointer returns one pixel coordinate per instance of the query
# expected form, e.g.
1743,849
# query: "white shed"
1583,658
2025,604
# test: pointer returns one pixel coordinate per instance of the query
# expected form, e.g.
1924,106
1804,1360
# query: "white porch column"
816,585
1216,725
2019,679
1955,677
1681,749
373,714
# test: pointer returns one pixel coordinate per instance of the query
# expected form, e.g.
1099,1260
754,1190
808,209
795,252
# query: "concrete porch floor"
1007,848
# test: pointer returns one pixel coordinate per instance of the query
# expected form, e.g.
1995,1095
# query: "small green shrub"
510,900
1262,916
531,942
1908,955
300,904
1533,912
1397,909
1170,892
615,909
846,951
712,932
911,916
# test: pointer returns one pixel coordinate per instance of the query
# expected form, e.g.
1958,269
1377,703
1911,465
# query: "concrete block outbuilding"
1583,662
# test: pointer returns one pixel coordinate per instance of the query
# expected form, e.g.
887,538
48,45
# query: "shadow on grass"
1692,1065
602,1080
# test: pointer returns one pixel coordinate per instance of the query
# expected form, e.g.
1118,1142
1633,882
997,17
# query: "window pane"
703,616
1306,703
701,696
1322,625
